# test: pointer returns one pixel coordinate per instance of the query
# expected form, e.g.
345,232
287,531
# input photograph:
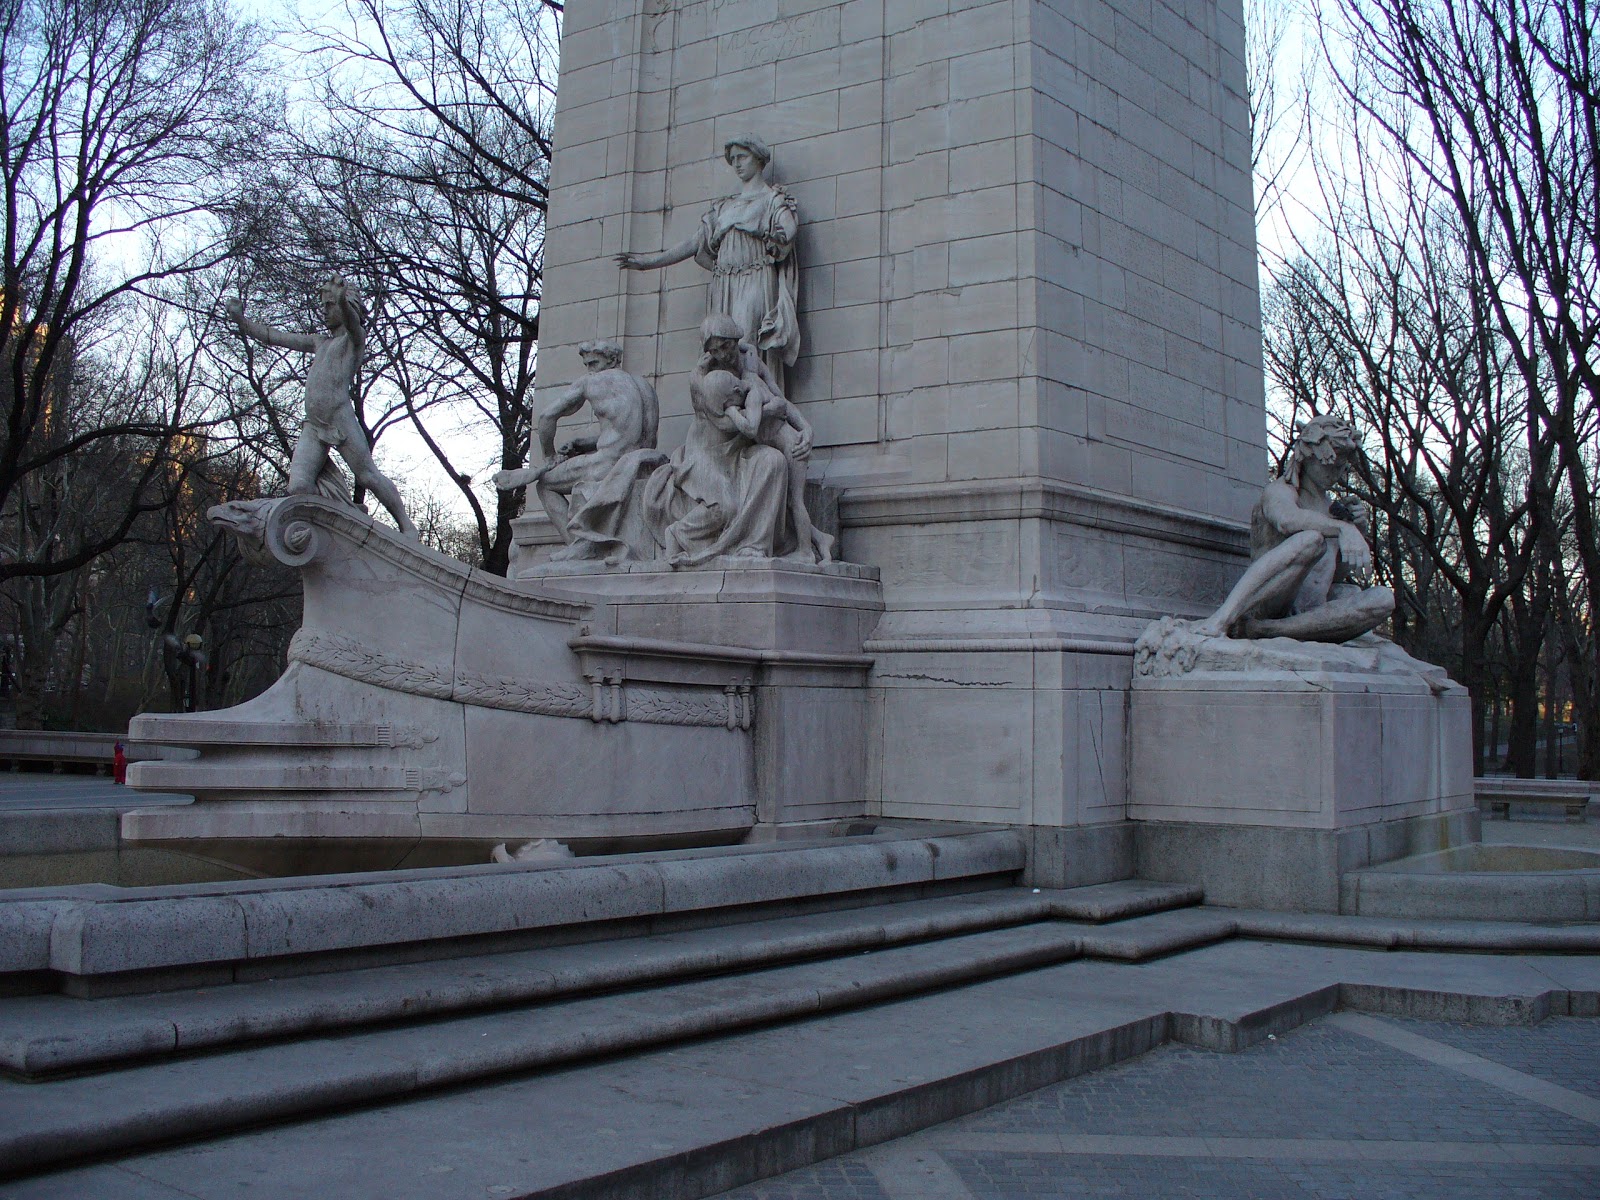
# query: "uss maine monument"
1022,263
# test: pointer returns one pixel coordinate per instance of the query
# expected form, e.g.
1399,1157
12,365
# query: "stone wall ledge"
1042,499
97,930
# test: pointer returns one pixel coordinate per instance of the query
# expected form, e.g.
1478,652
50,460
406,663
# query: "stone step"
1123,899
51,1122
163,776
200,730
1399,933
1159,933
695,1119
55,1034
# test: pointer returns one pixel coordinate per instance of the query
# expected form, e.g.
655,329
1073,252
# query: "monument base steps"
682,1062
818,972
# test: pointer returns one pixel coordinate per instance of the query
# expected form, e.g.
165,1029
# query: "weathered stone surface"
1030,353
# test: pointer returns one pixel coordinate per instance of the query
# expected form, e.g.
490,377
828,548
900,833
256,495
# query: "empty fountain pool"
1483,882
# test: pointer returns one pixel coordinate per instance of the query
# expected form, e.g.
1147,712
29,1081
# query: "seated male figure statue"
626,409
330,421
1310,560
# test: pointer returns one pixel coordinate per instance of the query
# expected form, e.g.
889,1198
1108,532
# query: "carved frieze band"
606,699
350,658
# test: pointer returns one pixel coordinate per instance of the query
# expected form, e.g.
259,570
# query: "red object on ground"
119,764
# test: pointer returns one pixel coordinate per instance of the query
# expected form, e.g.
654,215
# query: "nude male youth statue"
330,421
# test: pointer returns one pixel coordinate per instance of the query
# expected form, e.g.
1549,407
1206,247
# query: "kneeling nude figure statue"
1310,560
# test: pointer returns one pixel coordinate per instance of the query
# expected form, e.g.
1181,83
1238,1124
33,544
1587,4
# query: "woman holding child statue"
746,241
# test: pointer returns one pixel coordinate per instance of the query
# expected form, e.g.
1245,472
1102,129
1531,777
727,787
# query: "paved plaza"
24,790
1351,1106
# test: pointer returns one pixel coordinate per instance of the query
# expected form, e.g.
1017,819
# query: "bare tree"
122,124
1495,105
1279,94
428,182
164,368
1383,324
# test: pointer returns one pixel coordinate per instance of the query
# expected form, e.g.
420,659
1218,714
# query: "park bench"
1498,795
62,752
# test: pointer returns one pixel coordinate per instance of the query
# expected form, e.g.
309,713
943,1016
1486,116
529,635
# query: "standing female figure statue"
746,241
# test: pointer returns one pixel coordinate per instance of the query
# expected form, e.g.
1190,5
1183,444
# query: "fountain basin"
1484,882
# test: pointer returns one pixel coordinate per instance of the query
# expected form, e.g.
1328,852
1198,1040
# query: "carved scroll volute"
290,536
271,531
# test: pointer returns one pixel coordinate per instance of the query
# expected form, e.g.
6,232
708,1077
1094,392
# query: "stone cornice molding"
1044,499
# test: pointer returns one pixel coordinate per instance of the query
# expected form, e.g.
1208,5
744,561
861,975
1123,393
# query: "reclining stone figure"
1309,556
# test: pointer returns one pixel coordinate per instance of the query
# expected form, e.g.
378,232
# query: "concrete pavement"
1352,1106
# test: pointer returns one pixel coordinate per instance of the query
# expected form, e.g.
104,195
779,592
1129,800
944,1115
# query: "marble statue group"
736,487
1068,597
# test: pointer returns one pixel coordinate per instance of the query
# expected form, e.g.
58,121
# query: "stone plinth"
795,631
756,603
426,699
1264,769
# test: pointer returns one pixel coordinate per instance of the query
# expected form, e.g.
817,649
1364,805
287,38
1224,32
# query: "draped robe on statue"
718,494
747,243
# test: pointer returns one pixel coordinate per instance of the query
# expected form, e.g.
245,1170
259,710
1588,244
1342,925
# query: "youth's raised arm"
268,334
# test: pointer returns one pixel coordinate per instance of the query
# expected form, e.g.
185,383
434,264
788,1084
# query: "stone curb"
132,930
1390,933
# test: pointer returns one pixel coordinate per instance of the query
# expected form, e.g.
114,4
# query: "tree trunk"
1522,739
1494,730
1552,749
1475,678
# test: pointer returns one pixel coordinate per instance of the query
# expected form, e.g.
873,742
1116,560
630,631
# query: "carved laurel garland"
345,656
521,695
610,701
663,708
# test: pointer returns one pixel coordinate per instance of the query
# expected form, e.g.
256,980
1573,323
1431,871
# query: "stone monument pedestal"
1264,769
426,700
795,629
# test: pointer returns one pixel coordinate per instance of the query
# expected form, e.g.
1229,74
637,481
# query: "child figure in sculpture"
770,418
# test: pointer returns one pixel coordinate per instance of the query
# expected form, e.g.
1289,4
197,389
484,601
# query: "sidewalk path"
1351,1106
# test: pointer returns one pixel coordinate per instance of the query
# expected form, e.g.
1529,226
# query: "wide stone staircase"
232,1019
